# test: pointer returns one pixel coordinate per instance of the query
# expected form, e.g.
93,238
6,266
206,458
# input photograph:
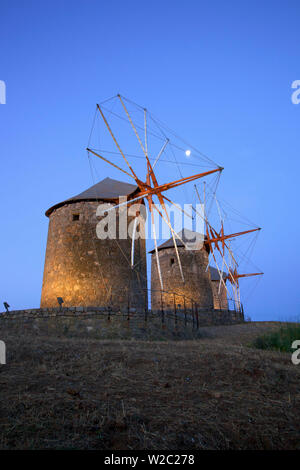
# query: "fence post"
185,318
146,304
162,310
109,309
197,317
175,311
193,314
128,307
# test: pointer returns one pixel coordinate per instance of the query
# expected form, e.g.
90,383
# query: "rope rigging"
220,247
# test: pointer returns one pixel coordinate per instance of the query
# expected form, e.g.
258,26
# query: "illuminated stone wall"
220,298
104,323
197,284
85,270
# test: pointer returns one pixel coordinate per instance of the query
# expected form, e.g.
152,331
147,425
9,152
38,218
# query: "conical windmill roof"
187,236
106,190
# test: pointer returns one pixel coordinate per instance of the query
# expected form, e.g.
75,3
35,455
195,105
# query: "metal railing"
163,300
134,304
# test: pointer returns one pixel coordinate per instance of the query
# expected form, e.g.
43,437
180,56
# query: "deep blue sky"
219,73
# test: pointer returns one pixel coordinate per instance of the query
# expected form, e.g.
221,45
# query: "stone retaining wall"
105,323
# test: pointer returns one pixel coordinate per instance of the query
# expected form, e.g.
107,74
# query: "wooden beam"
226,237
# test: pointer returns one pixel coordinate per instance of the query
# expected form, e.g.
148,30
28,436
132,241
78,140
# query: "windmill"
221,251
143,126
149,187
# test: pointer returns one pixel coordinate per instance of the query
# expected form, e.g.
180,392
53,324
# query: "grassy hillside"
279,340
214,393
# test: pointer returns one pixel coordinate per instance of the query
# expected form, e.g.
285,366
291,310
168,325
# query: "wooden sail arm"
147,190
162,202
177,206
232,235
140,183
150,174
145,149
108,161
221,276
181,181
160,152
150,202
238,276
116,142
222,235
174,184
211,235
231,254
132,125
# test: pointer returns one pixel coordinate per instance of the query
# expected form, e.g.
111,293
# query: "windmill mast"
215,242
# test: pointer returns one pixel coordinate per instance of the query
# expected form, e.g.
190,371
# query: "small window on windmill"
75,217
172,261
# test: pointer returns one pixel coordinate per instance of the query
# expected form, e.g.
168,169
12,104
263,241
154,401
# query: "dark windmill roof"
188,236
214,274
106,190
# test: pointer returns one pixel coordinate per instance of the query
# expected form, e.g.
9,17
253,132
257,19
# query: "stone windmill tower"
83,269
219,290
197,285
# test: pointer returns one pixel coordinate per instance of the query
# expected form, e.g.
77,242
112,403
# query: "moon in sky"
187,153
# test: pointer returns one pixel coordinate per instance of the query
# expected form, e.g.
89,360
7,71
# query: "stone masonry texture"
112,323
85,270
197,285
220,298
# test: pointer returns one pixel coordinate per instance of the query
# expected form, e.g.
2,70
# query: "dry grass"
214,393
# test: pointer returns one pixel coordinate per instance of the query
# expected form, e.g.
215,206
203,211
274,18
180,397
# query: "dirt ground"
214,393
